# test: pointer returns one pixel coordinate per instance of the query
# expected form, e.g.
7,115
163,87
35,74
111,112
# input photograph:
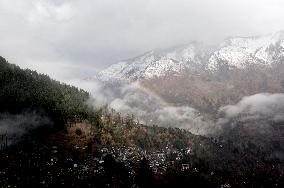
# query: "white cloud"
263,104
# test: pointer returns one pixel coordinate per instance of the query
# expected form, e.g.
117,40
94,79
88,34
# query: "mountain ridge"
233,52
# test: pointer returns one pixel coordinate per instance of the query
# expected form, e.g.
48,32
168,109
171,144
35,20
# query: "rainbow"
152,93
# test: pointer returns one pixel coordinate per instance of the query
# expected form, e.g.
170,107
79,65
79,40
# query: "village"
53,165
52,161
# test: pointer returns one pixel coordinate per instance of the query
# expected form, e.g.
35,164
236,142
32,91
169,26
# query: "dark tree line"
28,90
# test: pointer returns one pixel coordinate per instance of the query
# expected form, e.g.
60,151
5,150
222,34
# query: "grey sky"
76,38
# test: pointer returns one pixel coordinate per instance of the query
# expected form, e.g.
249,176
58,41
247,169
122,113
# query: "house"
188,151
104,150
160,155
184,167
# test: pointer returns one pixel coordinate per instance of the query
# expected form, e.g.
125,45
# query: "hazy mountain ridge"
235,52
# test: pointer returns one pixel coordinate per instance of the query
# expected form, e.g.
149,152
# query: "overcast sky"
75,38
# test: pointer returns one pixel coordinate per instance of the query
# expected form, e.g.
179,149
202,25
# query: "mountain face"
207,77
238,52
157,63
241,52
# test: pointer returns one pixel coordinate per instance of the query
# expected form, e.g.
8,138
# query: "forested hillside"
27,90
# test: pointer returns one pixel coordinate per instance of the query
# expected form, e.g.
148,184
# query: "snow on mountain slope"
156,63
240,52
237,52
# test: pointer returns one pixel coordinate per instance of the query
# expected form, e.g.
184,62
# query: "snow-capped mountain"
236,52
202,77
240,52
156,63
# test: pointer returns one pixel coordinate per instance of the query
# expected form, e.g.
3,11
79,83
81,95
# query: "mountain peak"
234,52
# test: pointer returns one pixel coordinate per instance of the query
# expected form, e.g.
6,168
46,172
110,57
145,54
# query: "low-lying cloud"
266,106
17,125
148,109
255,114
257,119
